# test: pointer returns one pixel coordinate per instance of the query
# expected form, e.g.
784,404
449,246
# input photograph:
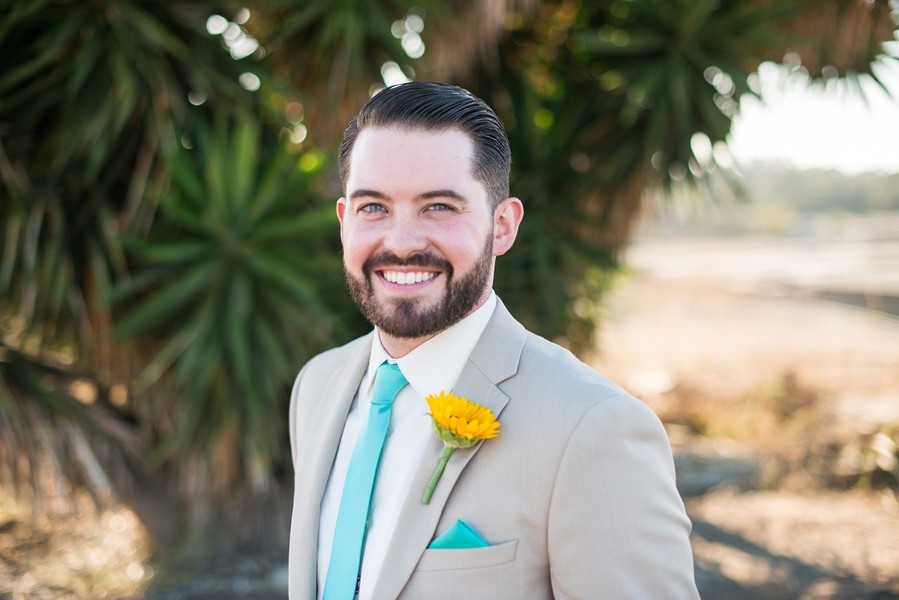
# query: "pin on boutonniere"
458,423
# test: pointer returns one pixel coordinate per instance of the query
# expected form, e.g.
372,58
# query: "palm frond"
90,96
229,289
833,38
58,431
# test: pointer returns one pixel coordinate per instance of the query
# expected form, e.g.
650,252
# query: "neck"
398,347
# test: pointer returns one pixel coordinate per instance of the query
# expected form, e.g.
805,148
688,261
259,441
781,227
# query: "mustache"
420,259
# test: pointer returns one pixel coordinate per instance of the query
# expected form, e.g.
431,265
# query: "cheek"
356,248
463,246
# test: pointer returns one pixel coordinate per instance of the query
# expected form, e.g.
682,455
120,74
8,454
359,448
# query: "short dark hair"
437,107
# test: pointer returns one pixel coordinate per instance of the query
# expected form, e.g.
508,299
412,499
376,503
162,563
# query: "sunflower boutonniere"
458,423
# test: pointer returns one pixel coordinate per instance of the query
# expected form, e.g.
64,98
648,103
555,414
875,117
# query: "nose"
405,235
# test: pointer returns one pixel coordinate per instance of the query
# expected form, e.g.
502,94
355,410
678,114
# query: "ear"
506,219
341,210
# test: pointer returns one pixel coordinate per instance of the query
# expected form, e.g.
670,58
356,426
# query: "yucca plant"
838,40
232,291
58,432
90,95
602,101
676,69
554,261
333,51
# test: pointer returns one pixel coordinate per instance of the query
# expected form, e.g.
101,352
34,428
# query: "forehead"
411,154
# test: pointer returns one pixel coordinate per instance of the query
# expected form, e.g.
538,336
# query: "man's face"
417,230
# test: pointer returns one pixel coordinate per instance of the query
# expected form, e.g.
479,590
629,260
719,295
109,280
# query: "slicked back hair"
438,107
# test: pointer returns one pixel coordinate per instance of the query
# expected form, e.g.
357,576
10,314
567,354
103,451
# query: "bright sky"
820,127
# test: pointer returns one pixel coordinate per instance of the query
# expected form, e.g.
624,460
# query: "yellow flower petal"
462,418
458,423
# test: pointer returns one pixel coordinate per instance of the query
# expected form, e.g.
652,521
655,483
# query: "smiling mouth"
408,278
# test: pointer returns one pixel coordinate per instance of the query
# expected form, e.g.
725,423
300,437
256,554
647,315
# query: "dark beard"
403,318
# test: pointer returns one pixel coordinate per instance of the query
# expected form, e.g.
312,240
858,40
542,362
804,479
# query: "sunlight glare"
196,98
393,74
216,24
413,45
408,31
298,134
243,15
232,32
243,48
830,126
702,148
249,81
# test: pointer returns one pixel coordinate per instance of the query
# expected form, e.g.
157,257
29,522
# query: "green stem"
441,465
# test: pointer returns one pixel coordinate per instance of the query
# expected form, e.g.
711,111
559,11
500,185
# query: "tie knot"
389,380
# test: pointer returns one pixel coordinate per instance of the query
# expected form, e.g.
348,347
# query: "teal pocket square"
460,535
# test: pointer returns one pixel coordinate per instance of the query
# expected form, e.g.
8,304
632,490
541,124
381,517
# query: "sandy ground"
786,389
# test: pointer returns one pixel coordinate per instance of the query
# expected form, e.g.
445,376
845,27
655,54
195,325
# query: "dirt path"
786,545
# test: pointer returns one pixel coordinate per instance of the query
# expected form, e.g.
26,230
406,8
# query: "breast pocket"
468,558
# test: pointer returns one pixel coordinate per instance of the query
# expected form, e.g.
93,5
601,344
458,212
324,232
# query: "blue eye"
371,208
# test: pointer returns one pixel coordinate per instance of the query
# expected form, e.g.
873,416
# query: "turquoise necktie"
342,580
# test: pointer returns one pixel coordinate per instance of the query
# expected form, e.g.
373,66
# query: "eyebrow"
445,193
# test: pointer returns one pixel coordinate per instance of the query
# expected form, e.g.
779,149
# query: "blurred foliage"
170,256
602,99
90,93
333,51
238,301
871,459
58,431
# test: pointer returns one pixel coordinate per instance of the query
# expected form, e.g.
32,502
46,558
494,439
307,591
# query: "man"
574,499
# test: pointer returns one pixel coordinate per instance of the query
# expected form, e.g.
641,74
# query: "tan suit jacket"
576,496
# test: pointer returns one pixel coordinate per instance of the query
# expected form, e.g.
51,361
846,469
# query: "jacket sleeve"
617,526
292,415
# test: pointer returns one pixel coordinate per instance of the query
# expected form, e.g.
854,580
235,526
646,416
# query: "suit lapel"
326,427
494,359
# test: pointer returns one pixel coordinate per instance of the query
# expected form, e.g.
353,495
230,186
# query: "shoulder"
555,369
319,374
539,376
335,358
560,399
321,371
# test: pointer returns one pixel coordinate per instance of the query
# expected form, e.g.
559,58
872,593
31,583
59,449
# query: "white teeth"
404,278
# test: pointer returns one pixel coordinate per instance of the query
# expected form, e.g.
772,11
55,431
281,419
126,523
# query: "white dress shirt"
430,368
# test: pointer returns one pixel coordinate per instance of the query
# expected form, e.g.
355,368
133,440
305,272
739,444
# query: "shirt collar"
449,349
